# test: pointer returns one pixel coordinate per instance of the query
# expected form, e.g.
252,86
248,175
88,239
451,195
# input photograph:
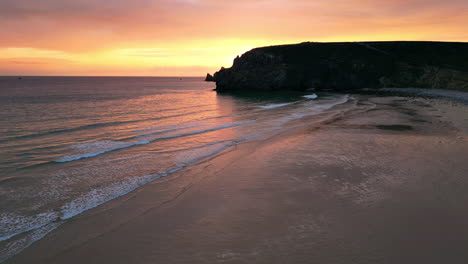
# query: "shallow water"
69,144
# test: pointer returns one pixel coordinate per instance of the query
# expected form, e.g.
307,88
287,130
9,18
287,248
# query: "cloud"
61,8
84,25
187,32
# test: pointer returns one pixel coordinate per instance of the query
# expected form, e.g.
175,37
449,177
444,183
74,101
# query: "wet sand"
386,182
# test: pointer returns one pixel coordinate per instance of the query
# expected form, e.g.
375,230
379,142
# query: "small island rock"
209,78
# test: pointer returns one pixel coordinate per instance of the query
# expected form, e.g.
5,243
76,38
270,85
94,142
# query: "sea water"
69,144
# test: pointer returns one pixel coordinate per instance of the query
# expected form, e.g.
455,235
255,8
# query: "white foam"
13,224
98,148
35,227
324,107
317,109
310,96
13,247
183,131
273,106
97,197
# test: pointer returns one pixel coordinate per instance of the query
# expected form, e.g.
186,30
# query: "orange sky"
192,37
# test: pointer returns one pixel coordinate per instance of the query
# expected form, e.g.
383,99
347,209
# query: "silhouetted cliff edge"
348,66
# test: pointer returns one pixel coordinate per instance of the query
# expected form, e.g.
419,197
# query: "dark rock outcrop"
348,66
209,78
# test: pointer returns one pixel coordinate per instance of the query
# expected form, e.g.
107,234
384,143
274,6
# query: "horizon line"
123,76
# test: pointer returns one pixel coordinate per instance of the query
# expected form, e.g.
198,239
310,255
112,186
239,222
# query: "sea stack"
348,66
209,78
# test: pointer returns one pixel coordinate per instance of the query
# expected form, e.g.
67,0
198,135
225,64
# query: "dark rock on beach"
348,66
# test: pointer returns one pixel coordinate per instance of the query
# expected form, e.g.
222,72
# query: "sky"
193,37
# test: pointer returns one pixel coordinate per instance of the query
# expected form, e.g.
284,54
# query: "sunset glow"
192,37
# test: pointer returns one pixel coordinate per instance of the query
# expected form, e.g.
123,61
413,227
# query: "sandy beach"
384,182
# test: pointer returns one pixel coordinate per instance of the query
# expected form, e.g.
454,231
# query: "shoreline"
251,204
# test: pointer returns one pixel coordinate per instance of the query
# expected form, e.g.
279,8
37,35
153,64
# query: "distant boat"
20,78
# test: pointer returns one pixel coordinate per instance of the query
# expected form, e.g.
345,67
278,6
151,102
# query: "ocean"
69,144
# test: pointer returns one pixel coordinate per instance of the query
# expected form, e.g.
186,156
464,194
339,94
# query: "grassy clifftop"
348,66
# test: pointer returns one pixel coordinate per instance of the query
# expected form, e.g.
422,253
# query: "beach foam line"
272,106
108,146
318,109
97,197
41,224
14,247
117,146
13,225
310,96
323,107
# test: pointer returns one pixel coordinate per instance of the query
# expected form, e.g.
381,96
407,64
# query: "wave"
161,130
106,145
97,125
310,96
323,107
111,115
97,197
273,106
12,224
41,224
100,147
35,227
14,247
315,110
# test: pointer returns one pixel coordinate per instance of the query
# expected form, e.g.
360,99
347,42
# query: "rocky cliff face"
348,66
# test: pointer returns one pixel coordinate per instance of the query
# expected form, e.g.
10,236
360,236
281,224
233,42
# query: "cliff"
348,66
